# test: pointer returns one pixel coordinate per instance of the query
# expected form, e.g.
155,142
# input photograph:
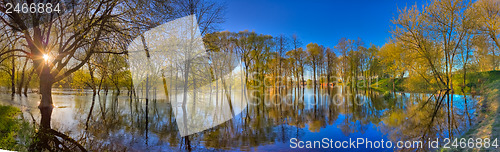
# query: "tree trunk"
246,73
27,84
393,82
165,88
186,81
279,73
21,80
328,79
13,76
314,75
302,74
46,106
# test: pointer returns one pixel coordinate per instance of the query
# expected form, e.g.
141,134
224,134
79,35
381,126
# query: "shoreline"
487,123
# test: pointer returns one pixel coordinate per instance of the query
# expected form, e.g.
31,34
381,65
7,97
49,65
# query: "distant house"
303,83
329,84
309,82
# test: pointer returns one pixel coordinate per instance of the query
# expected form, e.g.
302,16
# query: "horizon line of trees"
430,45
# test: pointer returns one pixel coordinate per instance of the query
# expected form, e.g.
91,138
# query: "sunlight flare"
46,57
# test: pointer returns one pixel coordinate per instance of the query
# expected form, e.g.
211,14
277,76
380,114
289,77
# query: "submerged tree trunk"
90,111
27,84
21,80
186,81
46,106
314,75
13,76
165,88
393,82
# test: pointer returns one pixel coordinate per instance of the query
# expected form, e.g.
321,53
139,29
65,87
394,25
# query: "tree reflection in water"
120,122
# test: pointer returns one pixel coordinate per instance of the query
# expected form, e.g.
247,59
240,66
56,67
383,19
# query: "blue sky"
319,21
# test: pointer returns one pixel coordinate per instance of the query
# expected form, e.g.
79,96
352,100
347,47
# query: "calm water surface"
120,123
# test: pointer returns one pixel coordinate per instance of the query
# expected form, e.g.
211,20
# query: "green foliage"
417,83
4,79
386,84
8,126
14,133
5,73
476,80
309,82
80,79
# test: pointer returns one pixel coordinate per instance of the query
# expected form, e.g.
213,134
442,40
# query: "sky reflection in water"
117,122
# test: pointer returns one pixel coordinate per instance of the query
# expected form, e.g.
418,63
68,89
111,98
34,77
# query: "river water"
118,122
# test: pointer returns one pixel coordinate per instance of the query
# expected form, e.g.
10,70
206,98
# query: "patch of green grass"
13,131
386,84
8,126
475,81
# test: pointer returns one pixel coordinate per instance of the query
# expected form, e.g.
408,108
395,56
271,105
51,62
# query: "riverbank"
487,84
474,84
487,124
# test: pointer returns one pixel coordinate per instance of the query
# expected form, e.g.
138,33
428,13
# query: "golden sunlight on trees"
443,35
445,48
393,58
314,54
486,15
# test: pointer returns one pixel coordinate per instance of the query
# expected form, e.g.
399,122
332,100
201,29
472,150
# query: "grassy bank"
487,84
474,83
14,132
387,85
488,117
